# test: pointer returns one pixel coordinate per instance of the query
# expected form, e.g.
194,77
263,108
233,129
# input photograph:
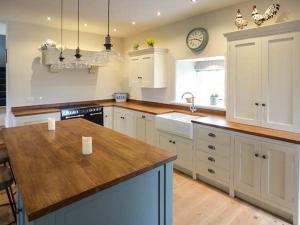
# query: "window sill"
211,107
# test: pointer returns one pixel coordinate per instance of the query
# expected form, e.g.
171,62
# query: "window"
205,78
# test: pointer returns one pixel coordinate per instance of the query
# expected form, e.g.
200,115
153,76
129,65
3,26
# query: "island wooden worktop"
51,171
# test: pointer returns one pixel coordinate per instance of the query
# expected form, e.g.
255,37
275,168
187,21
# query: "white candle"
51,124
87,145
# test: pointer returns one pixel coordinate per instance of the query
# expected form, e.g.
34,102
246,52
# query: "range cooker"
91,113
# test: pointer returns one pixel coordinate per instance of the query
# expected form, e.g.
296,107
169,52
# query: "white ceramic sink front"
176,123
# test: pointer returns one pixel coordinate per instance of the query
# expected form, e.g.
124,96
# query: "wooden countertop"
253,130
51,172
211,118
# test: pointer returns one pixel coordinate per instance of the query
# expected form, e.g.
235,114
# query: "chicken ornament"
270,12
240,22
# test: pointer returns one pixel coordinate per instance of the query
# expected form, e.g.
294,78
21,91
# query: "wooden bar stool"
3,157
6,181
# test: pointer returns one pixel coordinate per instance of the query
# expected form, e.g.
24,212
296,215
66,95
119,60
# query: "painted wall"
2,29
218,22
30,82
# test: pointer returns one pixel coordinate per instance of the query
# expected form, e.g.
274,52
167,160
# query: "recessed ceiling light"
48,18
158,13
115,29
133,23
85,25
194,1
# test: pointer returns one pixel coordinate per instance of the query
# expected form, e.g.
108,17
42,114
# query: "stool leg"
11,203
13,199
12,171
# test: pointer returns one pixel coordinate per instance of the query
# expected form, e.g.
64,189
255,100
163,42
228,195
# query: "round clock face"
197,39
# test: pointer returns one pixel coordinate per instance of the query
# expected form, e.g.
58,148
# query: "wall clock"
197,39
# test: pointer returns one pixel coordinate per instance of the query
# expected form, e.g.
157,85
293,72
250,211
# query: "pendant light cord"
108,15
61,24
78,24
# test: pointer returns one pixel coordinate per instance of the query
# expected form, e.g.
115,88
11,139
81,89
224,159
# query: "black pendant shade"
77,51
61,58
108,45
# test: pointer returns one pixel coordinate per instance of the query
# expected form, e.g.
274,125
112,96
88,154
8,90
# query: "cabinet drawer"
220,162
213,135
213,148
212,172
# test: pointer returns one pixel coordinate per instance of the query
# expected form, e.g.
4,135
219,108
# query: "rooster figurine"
240,22
270,12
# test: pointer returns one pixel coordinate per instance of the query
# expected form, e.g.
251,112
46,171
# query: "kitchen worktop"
51,171
209,118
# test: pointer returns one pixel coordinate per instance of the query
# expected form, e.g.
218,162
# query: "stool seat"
6,178
3,156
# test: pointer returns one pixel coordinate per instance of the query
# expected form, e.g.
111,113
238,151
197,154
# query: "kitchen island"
124,181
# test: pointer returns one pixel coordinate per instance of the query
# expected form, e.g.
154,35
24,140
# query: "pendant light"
108,53
77,51
61,57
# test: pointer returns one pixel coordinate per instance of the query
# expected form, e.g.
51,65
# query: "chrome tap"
192,107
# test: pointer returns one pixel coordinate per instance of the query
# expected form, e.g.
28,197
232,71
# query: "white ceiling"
123,12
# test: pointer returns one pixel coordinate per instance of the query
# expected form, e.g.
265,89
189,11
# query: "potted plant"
214,99
150,42
136,46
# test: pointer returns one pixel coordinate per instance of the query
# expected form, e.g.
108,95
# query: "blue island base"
143,200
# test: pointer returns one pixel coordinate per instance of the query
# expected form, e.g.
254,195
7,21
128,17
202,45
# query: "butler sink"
176,123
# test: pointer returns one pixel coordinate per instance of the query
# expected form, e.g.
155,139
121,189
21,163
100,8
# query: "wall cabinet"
265,170
108,117
263,77
183,147
145,128
34,119
148,68
125,122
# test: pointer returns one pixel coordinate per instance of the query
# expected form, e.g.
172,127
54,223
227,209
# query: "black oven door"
96,117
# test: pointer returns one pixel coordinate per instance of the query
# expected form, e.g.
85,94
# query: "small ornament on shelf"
240,22
261,18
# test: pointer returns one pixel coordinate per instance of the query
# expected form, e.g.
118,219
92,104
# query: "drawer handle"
211,159
211,147
211,171
212,135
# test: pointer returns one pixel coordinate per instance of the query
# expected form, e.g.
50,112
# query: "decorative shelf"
51,54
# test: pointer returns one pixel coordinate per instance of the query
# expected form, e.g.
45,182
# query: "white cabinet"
280,81
266,171
125,121
108,117
148,68
145,127
244,81
34,119
183,147
263,80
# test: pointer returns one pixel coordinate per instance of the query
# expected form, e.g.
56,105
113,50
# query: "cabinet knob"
211,147
256,155
143,116
212,135
256,103
106,116
211,159
264,157
264,104
174,142
19,210
211,171
170,141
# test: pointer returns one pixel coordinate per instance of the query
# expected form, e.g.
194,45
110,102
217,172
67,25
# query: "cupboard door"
184,150
165,141
278,175
130,124
147,70
135,73
140,128
108,117
150,131
281,79
245,81
247,165
119,123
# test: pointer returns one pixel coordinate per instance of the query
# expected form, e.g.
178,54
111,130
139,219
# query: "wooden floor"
198,204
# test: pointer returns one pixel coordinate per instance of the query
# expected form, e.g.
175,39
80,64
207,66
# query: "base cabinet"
145,128
34,119
183,147
125,122
265,171
108,117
